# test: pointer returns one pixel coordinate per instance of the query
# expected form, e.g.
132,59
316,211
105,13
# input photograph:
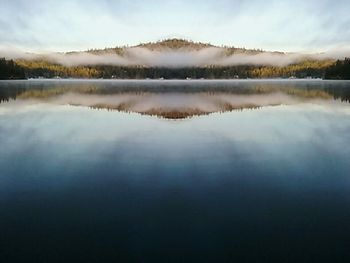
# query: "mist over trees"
21,69
41,67
312,69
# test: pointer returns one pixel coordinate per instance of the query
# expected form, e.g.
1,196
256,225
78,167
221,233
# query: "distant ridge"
175,43
173,59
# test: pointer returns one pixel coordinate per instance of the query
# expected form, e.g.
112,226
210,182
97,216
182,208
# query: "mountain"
175,43
174,58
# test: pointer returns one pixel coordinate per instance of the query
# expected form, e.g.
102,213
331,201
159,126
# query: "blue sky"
62,25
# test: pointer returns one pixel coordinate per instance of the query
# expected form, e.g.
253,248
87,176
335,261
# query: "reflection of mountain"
174,99
173,106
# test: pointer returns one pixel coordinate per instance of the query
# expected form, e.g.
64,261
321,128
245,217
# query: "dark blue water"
106,171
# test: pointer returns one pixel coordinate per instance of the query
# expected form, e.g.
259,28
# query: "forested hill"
174,44
105,67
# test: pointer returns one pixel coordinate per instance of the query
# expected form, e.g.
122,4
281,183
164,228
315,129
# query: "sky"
65,25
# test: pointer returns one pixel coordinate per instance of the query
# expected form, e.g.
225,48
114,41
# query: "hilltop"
172,58
176,44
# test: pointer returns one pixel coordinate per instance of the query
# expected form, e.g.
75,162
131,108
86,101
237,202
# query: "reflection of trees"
259,89
341,93
301,89
184,113
9,93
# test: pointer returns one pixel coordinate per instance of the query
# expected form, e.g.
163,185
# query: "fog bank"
137,56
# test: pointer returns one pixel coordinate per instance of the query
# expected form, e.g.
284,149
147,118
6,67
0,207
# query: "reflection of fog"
257,174
174,105
174,99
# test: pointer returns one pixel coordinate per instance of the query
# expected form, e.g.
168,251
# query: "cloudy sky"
290,25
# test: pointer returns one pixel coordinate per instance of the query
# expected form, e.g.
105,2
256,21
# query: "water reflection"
175,99
85,185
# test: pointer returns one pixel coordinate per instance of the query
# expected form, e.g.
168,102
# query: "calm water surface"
174,171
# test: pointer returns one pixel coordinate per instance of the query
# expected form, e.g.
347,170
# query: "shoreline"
171,80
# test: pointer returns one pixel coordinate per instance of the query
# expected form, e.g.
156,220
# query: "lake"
174,171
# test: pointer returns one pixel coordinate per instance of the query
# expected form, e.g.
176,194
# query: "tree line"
21,69
10,70
339,70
